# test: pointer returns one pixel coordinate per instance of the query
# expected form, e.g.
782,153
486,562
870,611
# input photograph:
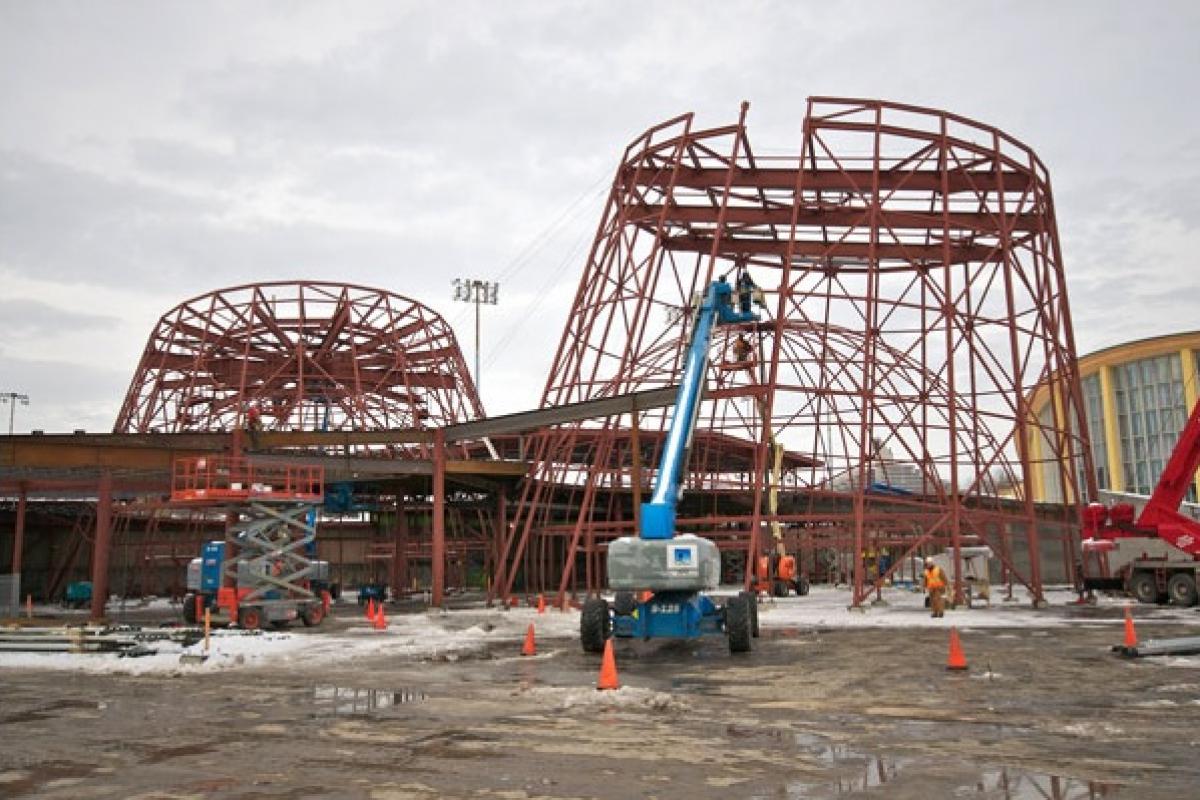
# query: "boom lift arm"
658,515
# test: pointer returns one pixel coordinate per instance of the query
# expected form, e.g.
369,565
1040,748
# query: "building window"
1094,408
1150,415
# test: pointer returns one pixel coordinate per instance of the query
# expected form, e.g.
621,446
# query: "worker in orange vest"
935,585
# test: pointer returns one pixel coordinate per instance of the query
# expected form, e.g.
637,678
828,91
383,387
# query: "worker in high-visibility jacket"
935,586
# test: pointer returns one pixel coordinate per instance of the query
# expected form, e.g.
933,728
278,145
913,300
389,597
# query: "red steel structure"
914,299
313,356
306,356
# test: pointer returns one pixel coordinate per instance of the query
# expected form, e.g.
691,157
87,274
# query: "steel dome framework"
916,299
308,355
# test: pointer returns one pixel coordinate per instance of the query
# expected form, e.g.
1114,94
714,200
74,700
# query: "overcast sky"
153,151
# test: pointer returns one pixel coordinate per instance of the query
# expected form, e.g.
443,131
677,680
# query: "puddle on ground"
1013,784
857,771
342,701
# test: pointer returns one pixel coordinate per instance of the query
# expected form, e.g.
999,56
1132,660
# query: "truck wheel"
595,625
1143,587
250,618
737,624
752,601
801,587
779,589
1182,589
313,615
189,608
624,604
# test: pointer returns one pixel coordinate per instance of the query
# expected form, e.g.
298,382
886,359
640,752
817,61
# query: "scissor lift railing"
232,478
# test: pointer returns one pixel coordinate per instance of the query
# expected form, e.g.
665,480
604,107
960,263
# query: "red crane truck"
1156,556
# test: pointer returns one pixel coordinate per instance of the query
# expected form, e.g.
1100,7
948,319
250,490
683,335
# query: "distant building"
1137,397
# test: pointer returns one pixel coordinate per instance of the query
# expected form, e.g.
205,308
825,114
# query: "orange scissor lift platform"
226,479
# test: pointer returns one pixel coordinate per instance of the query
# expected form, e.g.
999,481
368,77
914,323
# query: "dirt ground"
810,713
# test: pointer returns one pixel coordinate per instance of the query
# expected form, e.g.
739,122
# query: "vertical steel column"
399,570
496,548
102,545
439,517
19,537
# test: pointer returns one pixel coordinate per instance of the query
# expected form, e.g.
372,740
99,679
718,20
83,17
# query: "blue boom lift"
675,569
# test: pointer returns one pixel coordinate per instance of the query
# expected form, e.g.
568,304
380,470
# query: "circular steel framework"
915,299
305,356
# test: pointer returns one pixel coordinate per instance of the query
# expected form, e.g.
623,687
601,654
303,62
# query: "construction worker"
743,351
935,586
253,424
746,287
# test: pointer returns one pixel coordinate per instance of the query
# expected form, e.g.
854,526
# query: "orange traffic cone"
371,609
529,648
541,604
608,669
1130,632
957,660
513,601
380,621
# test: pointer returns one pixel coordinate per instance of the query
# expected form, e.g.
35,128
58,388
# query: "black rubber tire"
1143,587
737,624
189,608
313,615
624,604
250,618
801,587
1181,589
752,602
335,591
595,625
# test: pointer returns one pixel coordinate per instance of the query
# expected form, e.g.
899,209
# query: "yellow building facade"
1137,397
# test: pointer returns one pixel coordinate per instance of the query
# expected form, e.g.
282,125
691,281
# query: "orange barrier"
956,661
530,647
1131,639
608,669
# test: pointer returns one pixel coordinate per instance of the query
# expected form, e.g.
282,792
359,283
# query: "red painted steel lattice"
306,356
915,297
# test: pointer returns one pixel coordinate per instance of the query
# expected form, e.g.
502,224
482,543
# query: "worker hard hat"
929,562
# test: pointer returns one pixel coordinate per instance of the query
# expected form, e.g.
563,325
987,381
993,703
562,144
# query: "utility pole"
12,398
479,293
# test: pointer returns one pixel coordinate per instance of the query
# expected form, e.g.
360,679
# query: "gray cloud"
182,148
27,318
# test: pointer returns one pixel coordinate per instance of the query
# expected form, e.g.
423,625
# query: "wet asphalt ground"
810,713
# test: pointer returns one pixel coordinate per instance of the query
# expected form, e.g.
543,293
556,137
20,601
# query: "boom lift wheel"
752,601
737,624
1182,589
189,608
624,604
595,625
1143,587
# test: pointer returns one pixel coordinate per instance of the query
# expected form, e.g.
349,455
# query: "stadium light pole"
12,398
479,293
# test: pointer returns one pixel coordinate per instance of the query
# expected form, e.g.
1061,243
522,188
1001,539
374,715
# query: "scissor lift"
264,571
